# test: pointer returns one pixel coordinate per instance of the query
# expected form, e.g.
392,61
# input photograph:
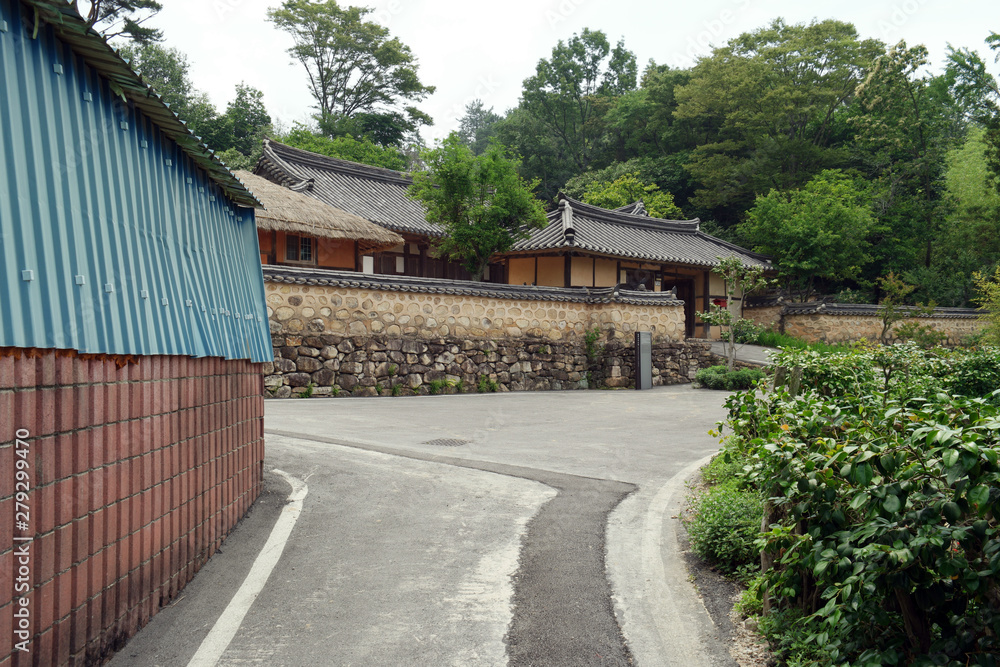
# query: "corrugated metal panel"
111,239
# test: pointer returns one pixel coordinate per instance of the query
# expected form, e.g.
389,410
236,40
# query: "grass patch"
719,377
769,338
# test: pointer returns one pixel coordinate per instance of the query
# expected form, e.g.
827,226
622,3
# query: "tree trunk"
917,629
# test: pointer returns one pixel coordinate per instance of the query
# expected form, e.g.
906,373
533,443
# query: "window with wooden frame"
299,249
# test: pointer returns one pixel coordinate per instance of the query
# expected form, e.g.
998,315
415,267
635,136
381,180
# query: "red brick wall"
136,473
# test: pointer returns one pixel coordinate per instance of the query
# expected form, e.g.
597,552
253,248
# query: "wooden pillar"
707,301
567,270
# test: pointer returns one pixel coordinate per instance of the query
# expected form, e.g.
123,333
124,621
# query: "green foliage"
593,349
924,335
335,390
362,150
988,299
818,232
769,338
124,19
395,390
565,90
477,126
740,279
891,308
629,188
486,385
353,65
747,332
309,391
720,377
771,103
725,524
480,202
378,388
883,480
439,386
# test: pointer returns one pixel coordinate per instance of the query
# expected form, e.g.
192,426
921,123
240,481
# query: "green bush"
718,377
883,482
747,332
725,525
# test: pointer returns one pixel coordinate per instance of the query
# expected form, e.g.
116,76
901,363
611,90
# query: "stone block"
347,382
272,382
290,353
298,379
346,347
284,365
305,351
323,377
308,364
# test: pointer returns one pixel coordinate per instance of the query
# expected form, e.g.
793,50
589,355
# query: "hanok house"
589,246
582,246
303,231
375,194
131,334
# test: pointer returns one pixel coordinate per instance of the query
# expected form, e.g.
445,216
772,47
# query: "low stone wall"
333,302
338,333
334,365
842,323
135,472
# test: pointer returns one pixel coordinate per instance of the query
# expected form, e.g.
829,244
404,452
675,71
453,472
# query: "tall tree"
979,93
481,202
354,66
564,90
901,139
124,18
771,101
477,126
818,232
248,119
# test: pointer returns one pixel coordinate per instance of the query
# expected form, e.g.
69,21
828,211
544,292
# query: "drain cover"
447,442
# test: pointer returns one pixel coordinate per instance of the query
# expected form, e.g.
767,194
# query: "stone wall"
345,310
841,323
134,475
335,365
337,333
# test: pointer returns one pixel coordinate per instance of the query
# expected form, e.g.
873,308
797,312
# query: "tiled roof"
623,233
373,193
309,276
862,309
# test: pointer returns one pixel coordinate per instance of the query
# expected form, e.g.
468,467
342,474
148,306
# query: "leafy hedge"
719,377
725,522
883,482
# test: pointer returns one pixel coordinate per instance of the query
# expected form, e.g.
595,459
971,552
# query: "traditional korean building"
589,246
302,231
375,194
132,336
582,246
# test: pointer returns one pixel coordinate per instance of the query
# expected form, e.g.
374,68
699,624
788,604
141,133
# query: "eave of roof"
71,28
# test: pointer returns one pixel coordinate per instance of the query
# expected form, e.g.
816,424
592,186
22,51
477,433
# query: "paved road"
503,529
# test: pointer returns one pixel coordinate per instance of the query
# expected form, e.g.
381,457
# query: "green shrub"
747,332
883,490
727,466
718,377
974,372
486,385
725,525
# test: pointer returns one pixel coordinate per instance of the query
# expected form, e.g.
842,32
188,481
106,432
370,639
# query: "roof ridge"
616,216
336,164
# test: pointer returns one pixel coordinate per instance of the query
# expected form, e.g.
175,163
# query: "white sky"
470,49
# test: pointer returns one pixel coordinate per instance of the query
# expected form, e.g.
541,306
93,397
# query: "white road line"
229,622
678,612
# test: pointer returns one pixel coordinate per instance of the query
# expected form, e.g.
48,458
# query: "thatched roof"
288,211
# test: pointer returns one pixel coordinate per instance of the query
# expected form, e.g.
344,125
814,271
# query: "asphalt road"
502,529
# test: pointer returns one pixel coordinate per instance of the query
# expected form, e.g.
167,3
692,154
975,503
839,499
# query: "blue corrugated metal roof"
112,240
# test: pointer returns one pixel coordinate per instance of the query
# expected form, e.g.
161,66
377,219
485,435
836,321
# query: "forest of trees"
843,157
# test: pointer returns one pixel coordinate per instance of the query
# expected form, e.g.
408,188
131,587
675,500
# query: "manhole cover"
447,442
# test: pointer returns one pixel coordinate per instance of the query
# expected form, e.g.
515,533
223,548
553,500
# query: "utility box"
643,360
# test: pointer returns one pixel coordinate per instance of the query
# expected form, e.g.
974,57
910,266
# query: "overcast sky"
470,49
